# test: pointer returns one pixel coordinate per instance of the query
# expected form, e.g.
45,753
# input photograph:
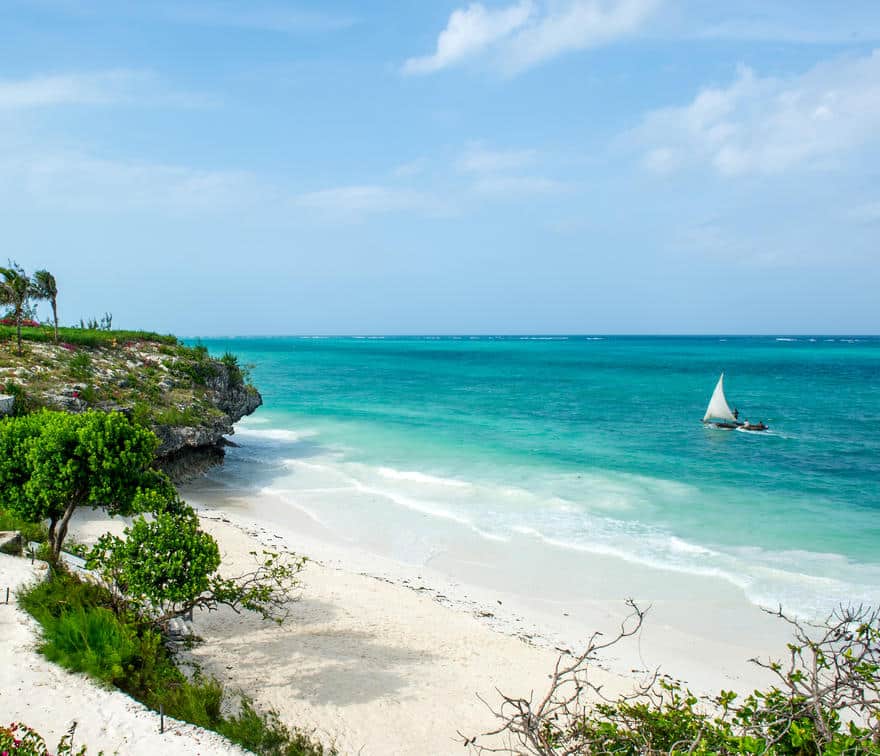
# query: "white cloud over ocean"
770,125
528,33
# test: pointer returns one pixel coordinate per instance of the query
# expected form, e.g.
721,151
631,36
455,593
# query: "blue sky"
589,166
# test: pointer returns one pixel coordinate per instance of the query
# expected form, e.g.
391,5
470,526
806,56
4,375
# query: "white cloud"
70,180
479,159
98,88
468,33
770,125
520,36
410,169
513,187
576,25
369,199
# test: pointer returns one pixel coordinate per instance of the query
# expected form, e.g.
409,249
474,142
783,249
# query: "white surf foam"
418,477
274,434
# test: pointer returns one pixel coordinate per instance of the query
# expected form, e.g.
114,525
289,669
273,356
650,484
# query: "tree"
166,567
46,288
51,463
15,290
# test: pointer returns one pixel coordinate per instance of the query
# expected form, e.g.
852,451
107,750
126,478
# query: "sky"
221,167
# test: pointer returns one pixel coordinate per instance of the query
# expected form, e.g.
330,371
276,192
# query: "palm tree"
15,290
45,288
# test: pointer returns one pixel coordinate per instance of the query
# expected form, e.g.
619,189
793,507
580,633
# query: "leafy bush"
83,632
30,531
81,366
831,675
236,373
168,566
22,403
176,417
20,740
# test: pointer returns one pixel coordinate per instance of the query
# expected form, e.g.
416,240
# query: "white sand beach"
377,658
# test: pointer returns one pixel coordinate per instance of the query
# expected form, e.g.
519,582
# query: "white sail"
718,408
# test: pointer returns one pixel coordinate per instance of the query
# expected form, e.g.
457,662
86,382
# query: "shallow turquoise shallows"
596,444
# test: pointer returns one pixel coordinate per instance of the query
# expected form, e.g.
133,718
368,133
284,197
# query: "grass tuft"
83,632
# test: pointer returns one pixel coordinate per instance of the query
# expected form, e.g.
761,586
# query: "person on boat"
735,413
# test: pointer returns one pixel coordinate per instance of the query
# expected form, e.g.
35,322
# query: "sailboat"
718,413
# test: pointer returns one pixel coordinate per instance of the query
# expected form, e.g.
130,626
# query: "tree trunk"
55,316
52,523
18,329
61,532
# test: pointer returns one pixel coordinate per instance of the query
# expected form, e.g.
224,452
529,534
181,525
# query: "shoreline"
698,629
378,658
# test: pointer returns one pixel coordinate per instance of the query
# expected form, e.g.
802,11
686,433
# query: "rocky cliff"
189,399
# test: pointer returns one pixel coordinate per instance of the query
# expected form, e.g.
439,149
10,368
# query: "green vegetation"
30,531
826,701
81,366
15,291
20,740
166,567
85,631
237,374
51,463
86,337
46,288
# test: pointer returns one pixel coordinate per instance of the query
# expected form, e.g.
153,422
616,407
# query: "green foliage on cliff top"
85,336
157,380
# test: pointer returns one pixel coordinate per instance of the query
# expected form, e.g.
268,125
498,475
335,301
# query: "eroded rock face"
6,404
186,451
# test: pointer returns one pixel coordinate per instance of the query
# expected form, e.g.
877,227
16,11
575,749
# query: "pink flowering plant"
18,739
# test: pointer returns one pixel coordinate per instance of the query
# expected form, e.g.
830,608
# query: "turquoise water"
592,444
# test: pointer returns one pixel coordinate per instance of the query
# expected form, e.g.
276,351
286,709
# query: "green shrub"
81,366
22,403
176,417
30,531
84,630
86,337
20,740
141,414
236,374
264,733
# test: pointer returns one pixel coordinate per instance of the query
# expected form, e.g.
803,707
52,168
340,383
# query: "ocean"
588,445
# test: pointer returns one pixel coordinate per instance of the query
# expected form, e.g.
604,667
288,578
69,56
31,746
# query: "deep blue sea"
592,444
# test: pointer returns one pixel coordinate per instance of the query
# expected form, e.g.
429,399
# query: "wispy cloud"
468,33
529,33
410,169
357,201
479,159
770,125
274,17
788,21
578,25
78,181
121,86
515,187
